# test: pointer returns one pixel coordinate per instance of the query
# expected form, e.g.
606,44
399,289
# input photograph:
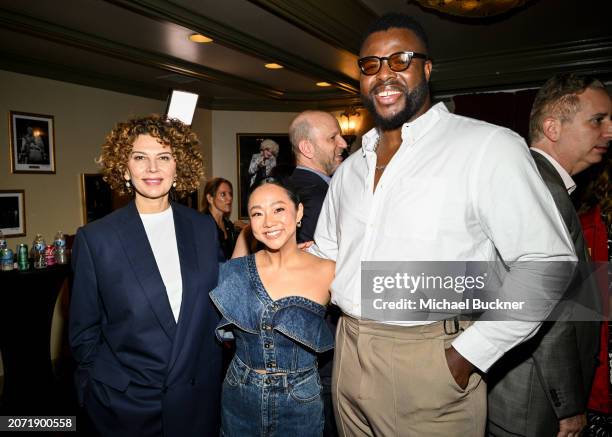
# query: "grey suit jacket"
548,377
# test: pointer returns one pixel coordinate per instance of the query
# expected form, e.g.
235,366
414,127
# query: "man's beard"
415,99
327,164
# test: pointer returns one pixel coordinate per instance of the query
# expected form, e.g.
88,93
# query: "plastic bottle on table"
38,252
60,248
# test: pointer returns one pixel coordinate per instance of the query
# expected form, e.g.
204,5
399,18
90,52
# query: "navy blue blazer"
140,372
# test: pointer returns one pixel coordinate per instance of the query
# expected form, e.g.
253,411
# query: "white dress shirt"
457,189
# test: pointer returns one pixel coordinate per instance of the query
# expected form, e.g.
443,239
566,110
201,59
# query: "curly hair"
183,143
271,145
211,187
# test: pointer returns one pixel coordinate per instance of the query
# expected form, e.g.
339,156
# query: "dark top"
227,244
312,190
281,335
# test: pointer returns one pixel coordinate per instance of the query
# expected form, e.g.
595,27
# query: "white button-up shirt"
457,189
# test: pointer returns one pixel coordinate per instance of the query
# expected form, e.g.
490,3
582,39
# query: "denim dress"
281,337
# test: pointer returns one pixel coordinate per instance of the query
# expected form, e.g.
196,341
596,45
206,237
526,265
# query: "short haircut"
558,98
399,21
271,145
211,187
300,129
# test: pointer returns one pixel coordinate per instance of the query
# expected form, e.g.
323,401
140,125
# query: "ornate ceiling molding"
526,67
340,23
235,39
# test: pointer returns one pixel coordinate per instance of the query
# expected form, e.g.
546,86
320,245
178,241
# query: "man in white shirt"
542,387
427,186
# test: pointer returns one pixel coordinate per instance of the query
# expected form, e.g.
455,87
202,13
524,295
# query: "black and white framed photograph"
260,156
97,197
12,213
32,142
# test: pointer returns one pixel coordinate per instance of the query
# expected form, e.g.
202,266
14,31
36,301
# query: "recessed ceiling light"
274,66
323,84
196,37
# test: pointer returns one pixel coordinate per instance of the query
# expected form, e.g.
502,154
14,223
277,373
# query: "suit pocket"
110,374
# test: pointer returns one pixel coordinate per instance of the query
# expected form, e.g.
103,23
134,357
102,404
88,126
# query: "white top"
569,183
457,189
162,238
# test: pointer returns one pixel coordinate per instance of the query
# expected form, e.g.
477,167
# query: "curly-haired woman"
141,323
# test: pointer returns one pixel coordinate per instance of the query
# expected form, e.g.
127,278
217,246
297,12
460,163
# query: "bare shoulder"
323,266
328,267
317,275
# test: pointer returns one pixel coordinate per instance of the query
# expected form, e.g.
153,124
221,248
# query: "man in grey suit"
541,388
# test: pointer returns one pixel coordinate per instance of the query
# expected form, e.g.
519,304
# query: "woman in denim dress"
273,306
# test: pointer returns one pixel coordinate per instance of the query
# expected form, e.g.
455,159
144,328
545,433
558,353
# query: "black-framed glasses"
397,62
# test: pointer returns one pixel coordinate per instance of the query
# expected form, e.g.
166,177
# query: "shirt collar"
569,183
418,127
317,172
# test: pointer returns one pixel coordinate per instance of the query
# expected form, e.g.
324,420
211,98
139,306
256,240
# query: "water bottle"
6,260
38,252
60,248
6,255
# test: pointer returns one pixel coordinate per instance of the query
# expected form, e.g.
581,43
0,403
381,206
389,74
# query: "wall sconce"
348,124
181,105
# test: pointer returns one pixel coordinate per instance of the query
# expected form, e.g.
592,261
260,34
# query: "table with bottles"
27,301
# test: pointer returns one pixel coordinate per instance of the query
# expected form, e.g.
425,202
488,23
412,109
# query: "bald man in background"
318,147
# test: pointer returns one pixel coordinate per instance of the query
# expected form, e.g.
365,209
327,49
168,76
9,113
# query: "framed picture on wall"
32,142
97,198
12,213
260,156
189,200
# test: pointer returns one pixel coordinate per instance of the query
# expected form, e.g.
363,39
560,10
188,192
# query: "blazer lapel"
185,240
141,259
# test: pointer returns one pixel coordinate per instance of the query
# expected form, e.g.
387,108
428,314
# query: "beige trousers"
394,381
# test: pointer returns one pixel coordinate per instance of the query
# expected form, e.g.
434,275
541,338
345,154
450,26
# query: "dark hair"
558,98
211,187
289,188
400,21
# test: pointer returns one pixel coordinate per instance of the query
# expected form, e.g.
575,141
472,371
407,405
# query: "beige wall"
225,126
83,117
